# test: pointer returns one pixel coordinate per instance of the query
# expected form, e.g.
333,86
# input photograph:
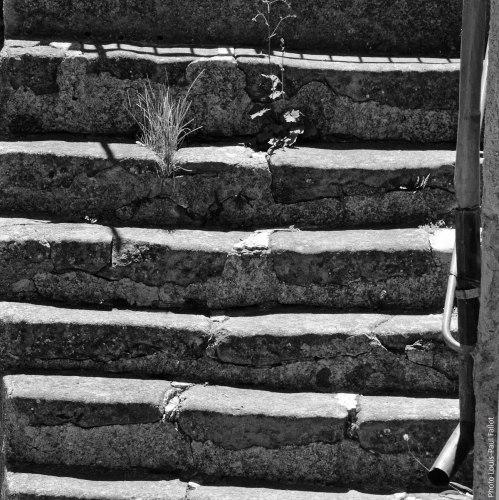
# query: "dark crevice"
88,427
63,271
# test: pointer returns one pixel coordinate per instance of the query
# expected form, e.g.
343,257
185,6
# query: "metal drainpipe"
466,259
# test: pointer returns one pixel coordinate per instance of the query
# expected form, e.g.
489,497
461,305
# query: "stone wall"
487,358
395,27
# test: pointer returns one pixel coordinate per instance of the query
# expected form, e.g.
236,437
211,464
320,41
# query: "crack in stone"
90,427
321,80
434,368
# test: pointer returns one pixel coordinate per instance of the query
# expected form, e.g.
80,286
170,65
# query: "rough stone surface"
227,185
366,27
39,336
364,98
155,257
182,268
26,486
86,402
399,331
392,81
293,254
346,351
343,464
87,88
237,419
396,424
255,490
89,422
486,373
220,431
155,446
299,349
332,171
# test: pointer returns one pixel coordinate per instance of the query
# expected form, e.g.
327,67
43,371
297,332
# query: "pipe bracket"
473,293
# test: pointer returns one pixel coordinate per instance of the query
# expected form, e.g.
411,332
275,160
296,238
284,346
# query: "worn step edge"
32,486
85,263
406,100
221,431
290,348
228,185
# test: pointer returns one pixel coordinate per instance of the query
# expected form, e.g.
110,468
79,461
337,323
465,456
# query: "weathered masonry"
258,327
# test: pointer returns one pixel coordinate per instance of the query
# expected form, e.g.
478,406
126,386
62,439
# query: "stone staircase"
256,327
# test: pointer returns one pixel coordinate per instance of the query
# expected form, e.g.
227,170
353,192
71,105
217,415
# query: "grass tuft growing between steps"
164,124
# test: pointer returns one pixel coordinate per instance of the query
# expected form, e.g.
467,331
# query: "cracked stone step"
228,185
340,439
93,264
85,88
34,486
296,349
420,28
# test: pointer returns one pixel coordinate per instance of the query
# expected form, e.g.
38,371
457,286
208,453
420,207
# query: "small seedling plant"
281,127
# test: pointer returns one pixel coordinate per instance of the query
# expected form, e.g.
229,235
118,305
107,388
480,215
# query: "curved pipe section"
448,308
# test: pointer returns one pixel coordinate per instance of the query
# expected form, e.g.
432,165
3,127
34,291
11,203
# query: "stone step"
299,349
93,264
228,185
341,439
421,27
35,486
86,88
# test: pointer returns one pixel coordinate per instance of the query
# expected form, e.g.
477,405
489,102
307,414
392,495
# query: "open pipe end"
438,477
452,455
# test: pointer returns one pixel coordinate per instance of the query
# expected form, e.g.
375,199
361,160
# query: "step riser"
47,89
225,186
372,374
304,438
326,353
366,27
154,268
342,464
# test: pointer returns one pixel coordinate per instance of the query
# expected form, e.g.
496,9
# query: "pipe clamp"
473,293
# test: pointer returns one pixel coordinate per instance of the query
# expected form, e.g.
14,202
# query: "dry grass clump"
164,124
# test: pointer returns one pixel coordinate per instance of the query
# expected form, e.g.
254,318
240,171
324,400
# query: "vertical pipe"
467,184
472,93
466,180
